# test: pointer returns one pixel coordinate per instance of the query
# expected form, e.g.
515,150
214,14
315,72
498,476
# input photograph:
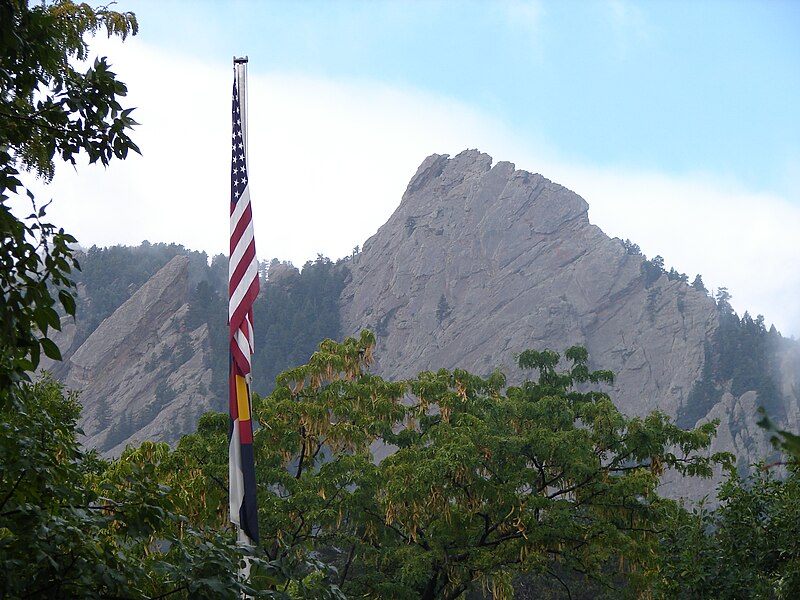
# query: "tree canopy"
483,480
48,110
439,486
75,526
430,487
747,547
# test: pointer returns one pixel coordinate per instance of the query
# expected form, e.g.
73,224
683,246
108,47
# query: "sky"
676,121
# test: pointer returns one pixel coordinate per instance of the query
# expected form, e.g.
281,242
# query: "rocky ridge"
141,374
482,261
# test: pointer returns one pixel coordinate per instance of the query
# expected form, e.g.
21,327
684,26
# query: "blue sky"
676,121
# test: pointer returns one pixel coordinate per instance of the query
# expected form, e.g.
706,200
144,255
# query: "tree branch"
34,121
345,571
302,452
13,489
564,585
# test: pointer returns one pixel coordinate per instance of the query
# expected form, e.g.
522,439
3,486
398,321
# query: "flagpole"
240,73
240,65
243,275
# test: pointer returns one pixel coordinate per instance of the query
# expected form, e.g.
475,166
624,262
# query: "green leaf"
50,348
67,301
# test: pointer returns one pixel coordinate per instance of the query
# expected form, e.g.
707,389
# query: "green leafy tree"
484,481
782,440
500,481
196,473
48,110
747,548
75,526
33,256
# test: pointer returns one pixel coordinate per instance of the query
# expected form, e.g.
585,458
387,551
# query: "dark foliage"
653,268
48,111
631,248
740,357
292,316
110,276
748,547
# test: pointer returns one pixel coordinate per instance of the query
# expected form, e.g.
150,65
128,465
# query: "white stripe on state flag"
250,335
235,475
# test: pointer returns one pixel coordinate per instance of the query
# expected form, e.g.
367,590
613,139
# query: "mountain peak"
481,261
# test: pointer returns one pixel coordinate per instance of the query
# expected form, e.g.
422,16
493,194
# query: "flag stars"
238,161
239,177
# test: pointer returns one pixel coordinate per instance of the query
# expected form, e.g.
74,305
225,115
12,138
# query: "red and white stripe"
242,281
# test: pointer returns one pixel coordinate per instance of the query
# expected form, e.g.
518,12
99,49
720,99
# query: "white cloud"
330,161
734,238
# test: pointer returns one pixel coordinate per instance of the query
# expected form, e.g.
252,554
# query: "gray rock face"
141,373
481,262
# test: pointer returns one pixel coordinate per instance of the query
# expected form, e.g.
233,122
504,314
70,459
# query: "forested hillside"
295,310
298,308
109,276
742,355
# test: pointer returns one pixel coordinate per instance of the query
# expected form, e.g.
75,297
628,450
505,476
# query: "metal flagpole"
240,70
240,64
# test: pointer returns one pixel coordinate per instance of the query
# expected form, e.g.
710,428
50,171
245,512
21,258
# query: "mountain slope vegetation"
296,309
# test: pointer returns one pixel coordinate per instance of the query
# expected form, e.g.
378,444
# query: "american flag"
242,290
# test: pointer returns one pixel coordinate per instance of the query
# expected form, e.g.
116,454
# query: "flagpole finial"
239,59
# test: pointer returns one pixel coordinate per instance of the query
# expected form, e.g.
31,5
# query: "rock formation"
141,374
481,262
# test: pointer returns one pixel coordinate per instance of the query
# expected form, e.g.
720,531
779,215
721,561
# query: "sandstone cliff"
141,374
519,266
482,261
